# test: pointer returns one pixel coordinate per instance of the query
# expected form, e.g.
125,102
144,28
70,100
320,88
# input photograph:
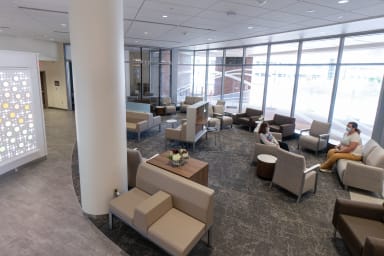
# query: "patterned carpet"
250,217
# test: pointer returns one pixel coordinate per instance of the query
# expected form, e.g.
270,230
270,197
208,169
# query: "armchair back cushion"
253,112
318,128
280,119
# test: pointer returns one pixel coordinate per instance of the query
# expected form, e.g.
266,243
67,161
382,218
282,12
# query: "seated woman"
267,138
350,148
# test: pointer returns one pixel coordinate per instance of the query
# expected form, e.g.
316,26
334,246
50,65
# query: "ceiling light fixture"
63,25
250,27
145,33
311,11
262,2
343,1
165,16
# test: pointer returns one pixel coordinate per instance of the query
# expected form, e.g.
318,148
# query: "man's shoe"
326,170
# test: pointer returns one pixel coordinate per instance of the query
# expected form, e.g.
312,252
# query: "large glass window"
165,70
316,80
184,74
155,76
281,79
215,75
200,73
232,79
359,85
254,76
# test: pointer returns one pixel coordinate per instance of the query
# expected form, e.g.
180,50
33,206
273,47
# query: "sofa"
189,100
139,122
367,174
248,118
282,124
360,224
171,211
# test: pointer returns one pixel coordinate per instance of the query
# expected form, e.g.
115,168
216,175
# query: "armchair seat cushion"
175,230
355,230
124,205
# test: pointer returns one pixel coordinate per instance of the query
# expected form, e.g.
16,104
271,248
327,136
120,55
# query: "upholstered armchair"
218,112
317,138
170,108
179,133
248,118
360,224
189,100
292,174
134,158
283,124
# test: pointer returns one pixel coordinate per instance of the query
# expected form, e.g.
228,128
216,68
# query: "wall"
47,50
55,71
51,61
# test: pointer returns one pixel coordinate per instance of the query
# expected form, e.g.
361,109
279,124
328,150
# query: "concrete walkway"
39,210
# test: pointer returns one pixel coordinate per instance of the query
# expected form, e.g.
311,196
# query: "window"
254,76
281,79
316,78
232,79
359,85
215,75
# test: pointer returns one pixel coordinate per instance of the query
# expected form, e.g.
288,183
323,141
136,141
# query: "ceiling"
202,24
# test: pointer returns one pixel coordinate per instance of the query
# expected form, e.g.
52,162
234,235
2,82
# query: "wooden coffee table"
194,169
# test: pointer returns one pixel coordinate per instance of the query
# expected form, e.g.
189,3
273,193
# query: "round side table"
265,166
172,122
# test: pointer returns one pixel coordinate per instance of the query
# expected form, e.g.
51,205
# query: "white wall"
51,57
47,50
55,71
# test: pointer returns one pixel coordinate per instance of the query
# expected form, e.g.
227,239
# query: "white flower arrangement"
178,156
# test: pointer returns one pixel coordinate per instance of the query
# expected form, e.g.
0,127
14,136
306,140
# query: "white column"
97,47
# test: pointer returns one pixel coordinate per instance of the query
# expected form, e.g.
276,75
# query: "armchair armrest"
357,174
150,210
140,126
373,246
324,136
312,168
217,115
254,118
278,136
357,209
304,130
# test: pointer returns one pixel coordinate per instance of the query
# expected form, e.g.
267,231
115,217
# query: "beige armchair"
218,112
360,224
170,108
317,139
179,133
292,174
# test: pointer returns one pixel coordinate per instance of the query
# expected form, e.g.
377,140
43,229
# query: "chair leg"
110,220
334,233
298,199
209,237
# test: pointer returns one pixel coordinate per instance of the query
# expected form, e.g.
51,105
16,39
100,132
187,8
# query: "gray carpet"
250,217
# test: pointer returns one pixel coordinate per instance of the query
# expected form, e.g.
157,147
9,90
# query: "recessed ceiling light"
136,41
250,27
145,33
343,1
63,25
209,39
311,11
165,16
340,17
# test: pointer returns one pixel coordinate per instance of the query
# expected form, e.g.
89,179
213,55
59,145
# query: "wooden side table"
265,166
160,110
